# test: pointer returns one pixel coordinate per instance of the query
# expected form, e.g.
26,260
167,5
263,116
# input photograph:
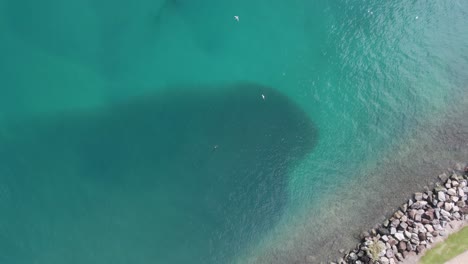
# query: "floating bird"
236,18
417,17
263,96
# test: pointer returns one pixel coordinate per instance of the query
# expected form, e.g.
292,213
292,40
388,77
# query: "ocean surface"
247,131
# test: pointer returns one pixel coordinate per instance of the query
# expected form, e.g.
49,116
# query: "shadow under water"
183,176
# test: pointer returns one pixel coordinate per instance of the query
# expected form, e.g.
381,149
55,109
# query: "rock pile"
414,226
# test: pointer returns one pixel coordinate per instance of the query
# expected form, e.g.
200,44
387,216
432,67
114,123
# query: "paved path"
460,259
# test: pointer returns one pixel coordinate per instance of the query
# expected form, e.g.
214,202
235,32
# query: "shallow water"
110,113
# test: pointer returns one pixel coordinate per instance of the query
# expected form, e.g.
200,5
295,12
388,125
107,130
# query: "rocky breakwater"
416,224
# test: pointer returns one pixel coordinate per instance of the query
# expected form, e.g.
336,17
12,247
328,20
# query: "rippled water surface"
171,132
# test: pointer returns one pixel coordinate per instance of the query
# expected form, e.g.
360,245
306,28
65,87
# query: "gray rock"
392,230
455,198
385,223
399,256
398,214
448,206
439,188
443,177
395,223
399,236
455,208
404,218
422,236
429,228
353,256
457,215
437,213
429,214
435,233
451,191
445,214
384,238
404,207
403,226
455,183
454,176
419,205
417,218
408,234
411,214
383,231
462,184
461,193
364,234
389,254
418,196
384,260
441,196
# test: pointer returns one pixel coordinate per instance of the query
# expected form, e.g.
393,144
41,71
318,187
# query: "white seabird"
236,18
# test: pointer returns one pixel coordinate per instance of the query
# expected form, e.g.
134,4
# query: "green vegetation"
375,248
454,245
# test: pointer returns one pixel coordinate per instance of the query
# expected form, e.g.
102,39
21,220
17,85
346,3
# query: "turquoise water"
137,132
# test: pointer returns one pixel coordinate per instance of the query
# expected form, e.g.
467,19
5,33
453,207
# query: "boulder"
408,234
395,222
418,196
402,246
429,214
417,218
399,236
448,206
451,191
398,214
422,236
419,205
429,228
443,177
441,196
403,225
389,253
384,260
464,209
383,231
411,214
